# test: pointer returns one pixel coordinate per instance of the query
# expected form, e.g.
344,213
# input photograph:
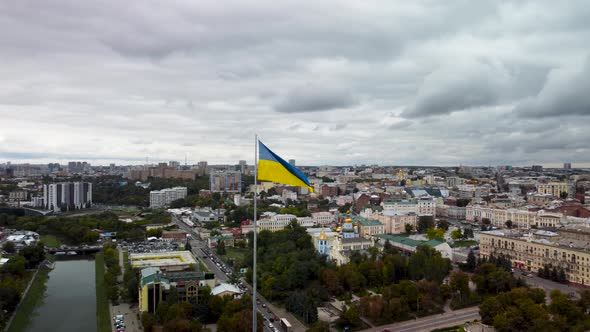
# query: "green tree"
221,248
563,195
471,261
9,247
508,223
459,282
424,223
456,234
443,224
409,228
433,233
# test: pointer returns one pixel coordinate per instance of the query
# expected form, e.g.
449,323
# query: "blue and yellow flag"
273,168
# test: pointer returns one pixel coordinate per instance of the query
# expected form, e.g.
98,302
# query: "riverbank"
103,320
32,299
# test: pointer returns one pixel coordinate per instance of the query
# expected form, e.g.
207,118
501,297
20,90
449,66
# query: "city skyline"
416,83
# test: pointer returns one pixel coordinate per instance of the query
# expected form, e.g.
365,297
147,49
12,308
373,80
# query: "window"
192,291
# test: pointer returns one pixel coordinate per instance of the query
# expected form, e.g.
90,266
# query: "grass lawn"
50,241
32,300
464,243
102,303
236,254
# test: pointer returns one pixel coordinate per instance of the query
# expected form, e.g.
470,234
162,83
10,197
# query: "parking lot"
149,246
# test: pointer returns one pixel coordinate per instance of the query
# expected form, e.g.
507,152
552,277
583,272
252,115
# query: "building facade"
532,253
226,182
162,198
67,196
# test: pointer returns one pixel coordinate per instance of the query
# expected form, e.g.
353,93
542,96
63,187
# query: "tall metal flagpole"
254,311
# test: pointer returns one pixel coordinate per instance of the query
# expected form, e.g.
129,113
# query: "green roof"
154,278
407,241
366,222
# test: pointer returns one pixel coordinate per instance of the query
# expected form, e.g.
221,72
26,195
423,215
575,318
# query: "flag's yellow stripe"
275,172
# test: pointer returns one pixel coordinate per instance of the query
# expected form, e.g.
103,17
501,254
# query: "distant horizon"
581,165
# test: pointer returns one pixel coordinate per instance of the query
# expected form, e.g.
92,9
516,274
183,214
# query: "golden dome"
322,235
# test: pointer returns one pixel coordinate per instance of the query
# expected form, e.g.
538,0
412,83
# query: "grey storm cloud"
443,82
315,98
472,85
565,93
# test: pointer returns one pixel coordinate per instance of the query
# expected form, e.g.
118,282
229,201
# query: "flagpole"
254,311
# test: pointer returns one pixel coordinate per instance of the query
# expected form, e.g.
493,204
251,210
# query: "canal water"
70,299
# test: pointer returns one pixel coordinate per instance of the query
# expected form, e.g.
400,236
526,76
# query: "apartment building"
556,188
532,251
400,206
67,196
163,198
323,218
395,222
368,228
520,218
426,206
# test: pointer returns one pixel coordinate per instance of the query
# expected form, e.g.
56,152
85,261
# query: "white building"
274,223
323,218
163,198
288,194
67,196
519,218
427,206
402,206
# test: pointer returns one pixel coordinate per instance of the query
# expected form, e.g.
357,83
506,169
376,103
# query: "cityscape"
371,248
294,166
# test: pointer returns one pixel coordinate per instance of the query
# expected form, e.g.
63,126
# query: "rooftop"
162,259
408,241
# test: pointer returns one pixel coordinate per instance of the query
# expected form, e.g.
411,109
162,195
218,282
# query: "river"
70,299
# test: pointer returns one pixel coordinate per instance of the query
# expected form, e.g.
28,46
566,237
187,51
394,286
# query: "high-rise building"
163,198
226,181
567,165
67,196
243,165
174,164
78,167
537,168
292,162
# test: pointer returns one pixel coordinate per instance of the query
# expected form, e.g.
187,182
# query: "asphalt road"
430,323
197,250
534,281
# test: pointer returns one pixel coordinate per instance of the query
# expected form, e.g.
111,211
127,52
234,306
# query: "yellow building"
542,248
555,189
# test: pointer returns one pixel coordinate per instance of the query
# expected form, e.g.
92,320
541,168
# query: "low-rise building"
213,241
165,261
323,218
408,245
155,286
533,251
368,228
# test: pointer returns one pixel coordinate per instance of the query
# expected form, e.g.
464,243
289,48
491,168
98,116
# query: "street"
430,323
267,309
548,285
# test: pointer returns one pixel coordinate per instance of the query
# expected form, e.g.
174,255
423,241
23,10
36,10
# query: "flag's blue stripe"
266,154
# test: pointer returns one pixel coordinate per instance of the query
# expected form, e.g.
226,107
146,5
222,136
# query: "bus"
285,325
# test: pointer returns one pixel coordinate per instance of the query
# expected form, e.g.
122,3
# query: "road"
534,281
266,308
430,323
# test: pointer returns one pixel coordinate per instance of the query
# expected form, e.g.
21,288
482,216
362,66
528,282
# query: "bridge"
70,250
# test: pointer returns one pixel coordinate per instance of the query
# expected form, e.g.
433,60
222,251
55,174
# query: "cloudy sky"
323,82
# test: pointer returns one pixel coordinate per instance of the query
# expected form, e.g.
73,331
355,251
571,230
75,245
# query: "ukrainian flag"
273,168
